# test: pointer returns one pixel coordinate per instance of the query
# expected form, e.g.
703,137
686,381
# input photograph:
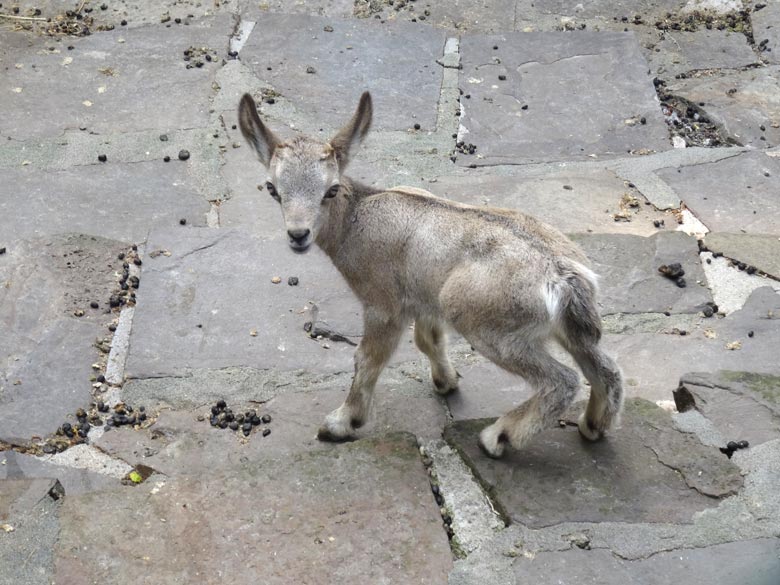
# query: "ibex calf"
503,280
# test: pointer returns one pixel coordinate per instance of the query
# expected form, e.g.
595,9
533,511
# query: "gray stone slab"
113,200
46,351
133,80
737,194
760,251
703,49
752,562
739,101
458,15
646,471
741,405
19,466
178,442
254,10
572,201
606,9
766,26
353,58
26,553
653,363
546,72
311,518
628,272
222,281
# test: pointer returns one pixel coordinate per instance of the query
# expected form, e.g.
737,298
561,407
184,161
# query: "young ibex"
503,280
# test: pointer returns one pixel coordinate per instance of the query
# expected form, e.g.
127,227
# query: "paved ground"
139,282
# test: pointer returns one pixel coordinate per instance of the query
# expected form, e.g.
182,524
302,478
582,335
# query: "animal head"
304,174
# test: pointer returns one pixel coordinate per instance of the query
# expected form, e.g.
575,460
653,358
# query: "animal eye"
332,192
272,190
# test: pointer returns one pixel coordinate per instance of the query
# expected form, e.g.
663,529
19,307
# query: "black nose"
298,236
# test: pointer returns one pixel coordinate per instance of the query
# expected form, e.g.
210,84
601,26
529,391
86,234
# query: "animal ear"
351,135
255,131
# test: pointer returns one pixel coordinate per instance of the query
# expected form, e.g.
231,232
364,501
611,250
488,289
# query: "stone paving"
139,253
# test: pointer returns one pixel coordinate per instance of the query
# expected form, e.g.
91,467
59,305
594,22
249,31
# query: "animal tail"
571,300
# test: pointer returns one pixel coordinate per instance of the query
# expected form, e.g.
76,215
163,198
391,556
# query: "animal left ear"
253,129
351,135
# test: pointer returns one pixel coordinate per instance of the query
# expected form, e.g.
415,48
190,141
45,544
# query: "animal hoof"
587,431
327,435
443,388
492,441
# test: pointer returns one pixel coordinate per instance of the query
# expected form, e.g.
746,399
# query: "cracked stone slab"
20,466
108,89
761,251
730,286
486,390
703,49
766,26
30,507
629,280
212,304
538,113
112,200
45,350
741,193
751,562
252,10
571,201
741,405
643,472
397,59
368,499
739,101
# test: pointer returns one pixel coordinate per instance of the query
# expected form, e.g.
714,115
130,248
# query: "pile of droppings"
224,418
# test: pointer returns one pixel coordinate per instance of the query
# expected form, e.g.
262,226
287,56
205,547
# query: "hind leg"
606,385
556,387
431,340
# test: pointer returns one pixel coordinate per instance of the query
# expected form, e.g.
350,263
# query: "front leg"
380,338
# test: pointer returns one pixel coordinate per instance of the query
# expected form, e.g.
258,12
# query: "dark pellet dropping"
266,418
82,433
246,427
141,409
101,378
292,281
502,77
184,154
524,107
163,137
221,404
732,446
726,451
100,405
66,427
495,47
94,305
708,312
2,250
233,425
123,23
166,159
137,262
247,432
416,126
182,221
256,420
751,270
215,410
435,489
266,432
229,416
240,418
223,424
681,282
214,421
177,20
249,414
643,120
439,500
49,449
750,334
743,444
102,158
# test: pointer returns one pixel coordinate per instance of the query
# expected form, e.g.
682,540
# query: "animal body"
505,281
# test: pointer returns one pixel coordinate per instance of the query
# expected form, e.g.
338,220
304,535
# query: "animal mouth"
300,248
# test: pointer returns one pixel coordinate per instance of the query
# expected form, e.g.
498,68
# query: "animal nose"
298,236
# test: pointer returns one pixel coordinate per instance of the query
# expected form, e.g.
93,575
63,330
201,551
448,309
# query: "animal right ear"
253,129
351,135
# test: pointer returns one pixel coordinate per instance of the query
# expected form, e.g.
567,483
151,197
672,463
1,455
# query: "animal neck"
339,217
